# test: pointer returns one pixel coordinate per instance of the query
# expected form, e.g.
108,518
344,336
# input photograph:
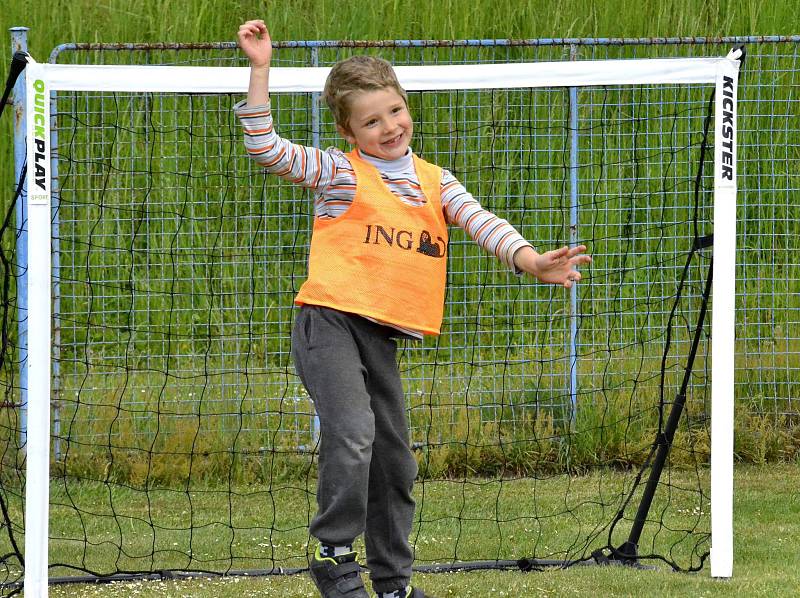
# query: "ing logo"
405,240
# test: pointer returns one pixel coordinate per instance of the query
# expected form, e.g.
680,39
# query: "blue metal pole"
573,241
19,43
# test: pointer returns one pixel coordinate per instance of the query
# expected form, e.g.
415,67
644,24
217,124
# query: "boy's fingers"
577,250
245,31
253,27
559,253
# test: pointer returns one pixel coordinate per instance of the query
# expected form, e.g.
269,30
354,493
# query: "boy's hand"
555,267
255,42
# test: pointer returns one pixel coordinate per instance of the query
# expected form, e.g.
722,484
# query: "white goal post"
42,80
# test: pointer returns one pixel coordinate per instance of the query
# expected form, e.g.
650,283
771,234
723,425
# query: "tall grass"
54,22
61,21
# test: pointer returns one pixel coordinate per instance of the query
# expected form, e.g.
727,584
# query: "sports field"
766,562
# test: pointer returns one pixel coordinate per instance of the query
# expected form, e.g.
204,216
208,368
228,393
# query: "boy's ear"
347,134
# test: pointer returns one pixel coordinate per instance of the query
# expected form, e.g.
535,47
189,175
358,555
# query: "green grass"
60,21
766,562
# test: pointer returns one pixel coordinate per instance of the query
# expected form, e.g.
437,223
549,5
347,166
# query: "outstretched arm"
555,267
255,42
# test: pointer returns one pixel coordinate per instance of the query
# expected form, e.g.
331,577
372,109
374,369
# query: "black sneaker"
337,577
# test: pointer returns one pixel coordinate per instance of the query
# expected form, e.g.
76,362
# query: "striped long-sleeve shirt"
331,177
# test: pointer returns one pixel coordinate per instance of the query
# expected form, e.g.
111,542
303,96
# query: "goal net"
166,428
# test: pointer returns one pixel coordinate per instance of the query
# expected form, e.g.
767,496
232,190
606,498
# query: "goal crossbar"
197,79
42,80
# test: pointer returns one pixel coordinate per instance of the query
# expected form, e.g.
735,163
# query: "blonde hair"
353,75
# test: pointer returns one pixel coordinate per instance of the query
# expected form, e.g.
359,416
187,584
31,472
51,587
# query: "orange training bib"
382,258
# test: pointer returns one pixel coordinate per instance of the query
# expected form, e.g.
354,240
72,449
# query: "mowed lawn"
767,562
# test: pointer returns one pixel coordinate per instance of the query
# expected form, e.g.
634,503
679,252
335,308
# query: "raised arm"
306,166
255,42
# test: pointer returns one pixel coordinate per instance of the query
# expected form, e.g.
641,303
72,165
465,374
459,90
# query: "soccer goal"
166,430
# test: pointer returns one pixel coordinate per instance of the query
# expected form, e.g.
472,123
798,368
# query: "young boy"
377,270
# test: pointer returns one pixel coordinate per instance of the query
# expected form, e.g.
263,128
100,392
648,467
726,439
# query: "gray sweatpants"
366,468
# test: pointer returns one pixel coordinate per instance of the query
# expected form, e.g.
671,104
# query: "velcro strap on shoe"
350,584
345,569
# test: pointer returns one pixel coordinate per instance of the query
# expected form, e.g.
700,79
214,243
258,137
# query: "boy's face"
379,124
